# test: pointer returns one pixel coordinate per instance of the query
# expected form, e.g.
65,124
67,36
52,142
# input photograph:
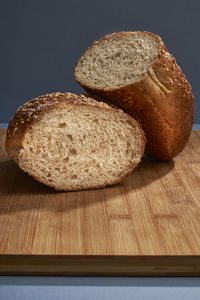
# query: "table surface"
107,288
174,288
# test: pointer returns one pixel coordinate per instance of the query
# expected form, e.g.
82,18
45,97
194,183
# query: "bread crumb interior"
78,147
117,60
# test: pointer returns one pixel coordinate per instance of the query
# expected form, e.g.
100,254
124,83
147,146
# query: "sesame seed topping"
31,110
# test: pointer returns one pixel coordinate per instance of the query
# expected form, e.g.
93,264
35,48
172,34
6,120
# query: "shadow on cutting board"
18,186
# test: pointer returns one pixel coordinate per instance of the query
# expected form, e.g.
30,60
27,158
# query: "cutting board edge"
99,265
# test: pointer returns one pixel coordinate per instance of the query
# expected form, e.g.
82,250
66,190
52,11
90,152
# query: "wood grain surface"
147,225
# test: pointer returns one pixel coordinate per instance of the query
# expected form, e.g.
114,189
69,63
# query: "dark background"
41,41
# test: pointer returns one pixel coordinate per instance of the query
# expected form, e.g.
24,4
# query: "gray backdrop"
41,41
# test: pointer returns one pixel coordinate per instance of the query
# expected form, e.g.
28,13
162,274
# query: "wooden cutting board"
147,225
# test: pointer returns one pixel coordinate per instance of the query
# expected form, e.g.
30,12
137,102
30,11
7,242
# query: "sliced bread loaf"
134,71
72,142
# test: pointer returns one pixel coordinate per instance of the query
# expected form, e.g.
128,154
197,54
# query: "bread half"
72,142
134,71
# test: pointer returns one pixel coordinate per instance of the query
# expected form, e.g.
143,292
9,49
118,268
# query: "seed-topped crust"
162,101
32,111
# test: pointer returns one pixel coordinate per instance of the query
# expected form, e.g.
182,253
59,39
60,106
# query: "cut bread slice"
73,142
134,71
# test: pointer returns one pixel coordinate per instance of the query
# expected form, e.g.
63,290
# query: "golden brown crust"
162,102
32,111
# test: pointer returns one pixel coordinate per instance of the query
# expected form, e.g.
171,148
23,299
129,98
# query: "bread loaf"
72,142
134,71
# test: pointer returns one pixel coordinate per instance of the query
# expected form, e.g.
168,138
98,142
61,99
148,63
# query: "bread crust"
162,102
32,111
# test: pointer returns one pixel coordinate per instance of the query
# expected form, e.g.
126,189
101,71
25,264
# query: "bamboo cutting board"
147,225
